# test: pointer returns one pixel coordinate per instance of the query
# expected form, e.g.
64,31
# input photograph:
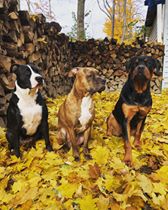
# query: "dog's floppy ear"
73,72
129,63
14,68
157,67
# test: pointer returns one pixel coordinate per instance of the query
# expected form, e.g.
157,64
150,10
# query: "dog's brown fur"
75,118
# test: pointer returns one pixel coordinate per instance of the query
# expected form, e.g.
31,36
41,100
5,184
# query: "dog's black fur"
134,103
17,129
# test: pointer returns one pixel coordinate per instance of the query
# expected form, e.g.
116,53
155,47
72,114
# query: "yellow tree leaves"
53,180
131,20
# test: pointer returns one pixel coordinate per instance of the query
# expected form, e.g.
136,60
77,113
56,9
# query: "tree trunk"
124,21
113,19
80,20
18,5
28,5
49,7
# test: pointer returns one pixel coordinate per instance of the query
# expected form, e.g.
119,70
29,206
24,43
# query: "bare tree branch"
124,21
104,11
109,10
106,6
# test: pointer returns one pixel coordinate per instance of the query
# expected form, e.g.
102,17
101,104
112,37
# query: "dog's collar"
145,101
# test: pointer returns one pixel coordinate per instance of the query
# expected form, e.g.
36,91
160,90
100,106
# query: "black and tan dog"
128,117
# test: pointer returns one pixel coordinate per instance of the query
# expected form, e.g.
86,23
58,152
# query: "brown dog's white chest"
85,113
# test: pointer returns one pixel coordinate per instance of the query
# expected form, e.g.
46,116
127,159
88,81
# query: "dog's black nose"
141,67
39,80
103,81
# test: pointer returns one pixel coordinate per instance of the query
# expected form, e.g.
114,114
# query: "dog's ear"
129,63
14,68
73,72
157,67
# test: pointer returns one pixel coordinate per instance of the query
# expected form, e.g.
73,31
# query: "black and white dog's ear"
14,68
157,68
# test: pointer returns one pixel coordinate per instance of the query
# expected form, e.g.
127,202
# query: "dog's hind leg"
113,127
62,140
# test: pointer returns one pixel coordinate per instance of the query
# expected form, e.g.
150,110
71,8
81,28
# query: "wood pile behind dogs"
110,58
26,38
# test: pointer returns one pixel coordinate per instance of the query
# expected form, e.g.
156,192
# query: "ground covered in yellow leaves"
52,180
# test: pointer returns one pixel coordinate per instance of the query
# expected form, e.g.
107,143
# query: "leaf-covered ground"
53,180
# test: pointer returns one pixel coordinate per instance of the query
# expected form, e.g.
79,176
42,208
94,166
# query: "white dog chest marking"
31,114
85,110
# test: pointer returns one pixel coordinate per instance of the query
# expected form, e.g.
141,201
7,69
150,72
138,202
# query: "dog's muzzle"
39,80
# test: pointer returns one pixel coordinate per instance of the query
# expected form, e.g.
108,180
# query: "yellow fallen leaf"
87,202
67,189
145,183
100,155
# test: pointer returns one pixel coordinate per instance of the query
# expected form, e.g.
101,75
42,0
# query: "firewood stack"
26,38
110,58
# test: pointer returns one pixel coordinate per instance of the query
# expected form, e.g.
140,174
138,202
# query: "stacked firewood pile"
110,58
26,38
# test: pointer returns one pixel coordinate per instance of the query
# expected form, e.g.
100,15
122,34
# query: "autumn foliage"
53,180
132,18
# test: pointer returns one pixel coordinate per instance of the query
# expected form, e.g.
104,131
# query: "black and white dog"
27,114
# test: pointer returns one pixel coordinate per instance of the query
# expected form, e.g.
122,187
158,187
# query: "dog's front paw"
137,145
49,148
77,158
128,160
87,154
88,157
14,152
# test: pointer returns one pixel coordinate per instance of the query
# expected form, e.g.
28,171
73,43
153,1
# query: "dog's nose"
39,80
141,68
103,81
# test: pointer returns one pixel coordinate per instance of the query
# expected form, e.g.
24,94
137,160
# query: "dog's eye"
27,73
90,76
145,60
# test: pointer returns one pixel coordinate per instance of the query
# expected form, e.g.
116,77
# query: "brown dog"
76,114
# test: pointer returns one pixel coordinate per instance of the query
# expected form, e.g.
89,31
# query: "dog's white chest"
85,110
31,114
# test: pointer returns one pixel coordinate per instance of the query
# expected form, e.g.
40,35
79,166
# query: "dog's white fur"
33,81
29,109
85,110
